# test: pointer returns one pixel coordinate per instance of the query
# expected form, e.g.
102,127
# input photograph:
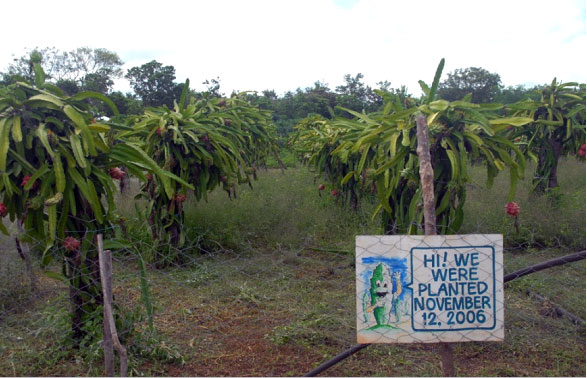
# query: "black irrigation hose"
545,265
347,353
508,277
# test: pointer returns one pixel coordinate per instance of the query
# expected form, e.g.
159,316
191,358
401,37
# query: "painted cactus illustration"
384,298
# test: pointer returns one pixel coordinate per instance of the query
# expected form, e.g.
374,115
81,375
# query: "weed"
312,329
249,295
287,157
200,274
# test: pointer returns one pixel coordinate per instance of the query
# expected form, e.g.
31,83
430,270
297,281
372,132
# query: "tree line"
154,84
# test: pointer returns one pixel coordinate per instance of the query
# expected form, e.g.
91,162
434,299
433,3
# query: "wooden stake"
427,180
105,258
107,344
426,176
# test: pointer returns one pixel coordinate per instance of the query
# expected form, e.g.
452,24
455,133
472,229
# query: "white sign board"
429,289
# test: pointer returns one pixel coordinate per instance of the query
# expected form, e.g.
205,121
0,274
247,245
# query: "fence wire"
204,309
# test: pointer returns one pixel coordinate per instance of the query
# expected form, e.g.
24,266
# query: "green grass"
544,221
270,282
287,158
283,211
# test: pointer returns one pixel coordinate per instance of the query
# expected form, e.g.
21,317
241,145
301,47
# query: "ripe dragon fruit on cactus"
512,209
26,179
71,244
116,173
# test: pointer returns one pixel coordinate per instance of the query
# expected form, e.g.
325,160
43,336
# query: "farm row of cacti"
58,166
376,152
206,143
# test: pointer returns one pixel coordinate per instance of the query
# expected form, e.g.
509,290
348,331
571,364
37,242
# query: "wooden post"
426,176
427,180
110,334
107,343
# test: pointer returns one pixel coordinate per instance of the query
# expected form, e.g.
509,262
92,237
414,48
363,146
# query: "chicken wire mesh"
211,304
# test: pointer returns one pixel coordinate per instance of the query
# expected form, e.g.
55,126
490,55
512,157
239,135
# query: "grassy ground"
550,221
273,293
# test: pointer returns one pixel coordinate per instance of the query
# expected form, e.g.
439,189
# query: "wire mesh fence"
199,301
256,307
224,307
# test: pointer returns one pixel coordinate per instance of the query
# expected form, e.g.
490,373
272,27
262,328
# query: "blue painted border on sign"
453,329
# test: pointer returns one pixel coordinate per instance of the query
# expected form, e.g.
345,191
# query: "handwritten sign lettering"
454,288
429,288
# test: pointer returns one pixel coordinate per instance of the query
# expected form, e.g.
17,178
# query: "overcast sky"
286,44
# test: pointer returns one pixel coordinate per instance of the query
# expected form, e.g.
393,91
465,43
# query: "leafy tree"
99,82
213,87
322,97
355,95
313,100
85,61
386,86
294,106
50,59
270,94
480,83
268,100
153,83
127,104
513,94
82,66
70,87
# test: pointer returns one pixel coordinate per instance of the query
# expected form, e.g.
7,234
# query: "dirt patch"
240,346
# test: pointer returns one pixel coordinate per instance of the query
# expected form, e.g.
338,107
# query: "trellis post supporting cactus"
427,180
110,333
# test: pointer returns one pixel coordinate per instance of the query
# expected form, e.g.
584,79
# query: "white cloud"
283,45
